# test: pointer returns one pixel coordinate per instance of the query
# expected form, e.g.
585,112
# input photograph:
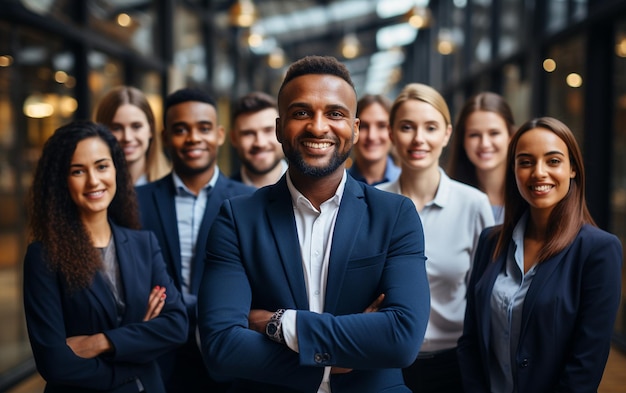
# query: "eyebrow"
550,153
95,162
308,106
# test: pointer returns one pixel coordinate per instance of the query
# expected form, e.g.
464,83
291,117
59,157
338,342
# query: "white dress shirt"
315,233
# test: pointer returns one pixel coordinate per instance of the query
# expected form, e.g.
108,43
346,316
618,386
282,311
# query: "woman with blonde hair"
453,215
125,110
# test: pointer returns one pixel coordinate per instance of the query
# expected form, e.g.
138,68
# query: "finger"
375,306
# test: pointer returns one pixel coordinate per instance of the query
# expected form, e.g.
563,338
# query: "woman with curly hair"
94,285
545,288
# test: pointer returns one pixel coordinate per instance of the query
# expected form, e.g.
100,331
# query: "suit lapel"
544,272
283,226
351,213
483,292
164,199
128,272
214,201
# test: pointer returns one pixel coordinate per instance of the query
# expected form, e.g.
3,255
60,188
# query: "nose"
92,178
418,138
318,124
540,170
193,136
484,141
126,134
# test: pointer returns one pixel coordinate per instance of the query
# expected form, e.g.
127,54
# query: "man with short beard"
316,283
253,136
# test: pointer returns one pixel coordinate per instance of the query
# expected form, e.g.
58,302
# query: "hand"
88,347
258,319
375,306
156,301
339,370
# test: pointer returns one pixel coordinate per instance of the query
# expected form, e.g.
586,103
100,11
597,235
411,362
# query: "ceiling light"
350,46
242,13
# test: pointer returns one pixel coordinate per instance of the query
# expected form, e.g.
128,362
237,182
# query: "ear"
221,135
355,128
448,135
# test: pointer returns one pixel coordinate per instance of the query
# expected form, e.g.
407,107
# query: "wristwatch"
273,329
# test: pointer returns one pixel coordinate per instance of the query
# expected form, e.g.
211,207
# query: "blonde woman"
453,215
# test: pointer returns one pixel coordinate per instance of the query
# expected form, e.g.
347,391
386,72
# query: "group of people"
150,270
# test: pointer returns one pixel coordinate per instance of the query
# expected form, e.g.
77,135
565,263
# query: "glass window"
556,15
36,96
480,33
511,25
516,91
189,51
566,83
618,192
105,73
131,23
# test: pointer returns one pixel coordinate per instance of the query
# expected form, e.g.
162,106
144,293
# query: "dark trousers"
437,372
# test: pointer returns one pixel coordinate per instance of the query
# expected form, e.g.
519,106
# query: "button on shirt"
507,303
315,233
189,214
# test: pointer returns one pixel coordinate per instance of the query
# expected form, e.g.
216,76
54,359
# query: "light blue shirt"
189,214
507,303
392,172
452,224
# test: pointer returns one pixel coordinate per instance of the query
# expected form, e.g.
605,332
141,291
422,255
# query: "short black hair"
251,103
321,65
184,95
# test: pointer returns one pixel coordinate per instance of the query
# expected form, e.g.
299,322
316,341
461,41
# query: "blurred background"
562,58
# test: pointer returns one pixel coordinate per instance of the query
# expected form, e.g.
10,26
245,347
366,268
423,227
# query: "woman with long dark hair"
545,289
95,300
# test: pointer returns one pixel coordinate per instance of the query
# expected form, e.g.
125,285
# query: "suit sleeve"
471,362
56,362
600,298
141,342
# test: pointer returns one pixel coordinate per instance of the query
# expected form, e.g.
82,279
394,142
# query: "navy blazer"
567,317
254,261
157,207
53,313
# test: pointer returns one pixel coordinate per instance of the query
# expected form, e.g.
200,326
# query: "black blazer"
53,313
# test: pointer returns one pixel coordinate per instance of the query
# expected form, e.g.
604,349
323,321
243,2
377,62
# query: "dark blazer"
567,317
254,261
158,213
54,313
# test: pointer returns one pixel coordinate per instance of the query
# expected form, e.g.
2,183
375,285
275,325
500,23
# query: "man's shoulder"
233,187
146,189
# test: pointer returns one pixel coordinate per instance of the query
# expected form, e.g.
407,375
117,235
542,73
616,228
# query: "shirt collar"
297,197
518,240
181,188
443,190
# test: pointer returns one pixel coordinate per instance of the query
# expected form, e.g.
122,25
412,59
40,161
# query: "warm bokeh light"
276,59
243,13
60,76
124,20
574,80
6,60
549,65
350,46
620,47
255,40
37,107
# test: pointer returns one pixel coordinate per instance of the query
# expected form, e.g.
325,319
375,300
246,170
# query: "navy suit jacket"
567,317
53,313
254,261
158,213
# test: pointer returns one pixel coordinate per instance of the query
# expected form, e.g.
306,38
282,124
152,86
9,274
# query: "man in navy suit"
316,283
179,209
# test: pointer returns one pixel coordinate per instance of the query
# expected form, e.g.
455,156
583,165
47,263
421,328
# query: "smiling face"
374,141
193,137
419,133
542,169
486,140
254,138
317,125
91,180
132,130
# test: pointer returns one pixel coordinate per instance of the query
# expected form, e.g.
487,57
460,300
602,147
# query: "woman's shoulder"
590,232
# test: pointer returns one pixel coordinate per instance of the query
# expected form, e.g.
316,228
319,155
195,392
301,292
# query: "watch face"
271,329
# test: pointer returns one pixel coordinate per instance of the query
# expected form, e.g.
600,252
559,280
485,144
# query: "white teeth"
542,188
317,145
97,193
